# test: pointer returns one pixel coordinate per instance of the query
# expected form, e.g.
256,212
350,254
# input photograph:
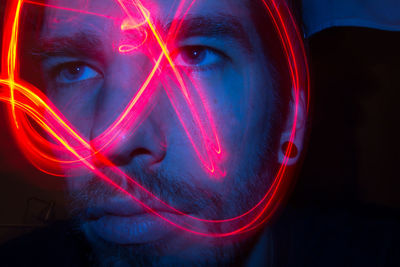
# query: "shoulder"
55,245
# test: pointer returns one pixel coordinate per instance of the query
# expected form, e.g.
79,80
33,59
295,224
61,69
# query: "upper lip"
126,206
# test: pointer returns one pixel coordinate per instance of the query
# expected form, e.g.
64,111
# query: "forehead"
106,15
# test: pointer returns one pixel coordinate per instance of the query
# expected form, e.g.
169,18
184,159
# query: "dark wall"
26,194
353,156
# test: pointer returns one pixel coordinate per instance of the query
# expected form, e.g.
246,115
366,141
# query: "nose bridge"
126,75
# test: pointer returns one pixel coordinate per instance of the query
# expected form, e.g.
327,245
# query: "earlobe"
290,149
292,138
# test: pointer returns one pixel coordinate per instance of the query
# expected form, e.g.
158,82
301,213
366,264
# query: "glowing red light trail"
27,101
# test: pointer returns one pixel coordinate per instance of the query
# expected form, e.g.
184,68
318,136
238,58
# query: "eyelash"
198,68
57,70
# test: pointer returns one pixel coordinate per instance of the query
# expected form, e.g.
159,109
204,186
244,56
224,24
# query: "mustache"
171,189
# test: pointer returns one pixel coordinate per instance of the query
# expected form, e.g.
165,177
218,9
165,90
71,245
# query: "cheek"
79,111
239,111
78,107
238,104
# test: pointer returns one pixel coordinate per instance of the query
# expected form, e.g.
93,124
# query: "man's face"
91,81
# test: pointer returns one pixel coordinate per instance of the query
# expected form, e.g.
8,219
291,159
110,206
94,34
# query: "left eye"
75,72
196,56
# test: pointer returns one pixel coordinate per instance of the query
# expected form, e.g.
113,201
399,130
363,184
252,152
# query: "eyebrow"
216,26
90,44
83,43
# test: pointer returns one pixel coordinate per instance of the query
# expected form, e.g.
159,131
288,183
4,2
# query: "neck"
262,253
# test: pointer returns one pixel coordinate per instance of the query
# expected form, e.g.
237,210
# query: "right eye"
197,57
73,72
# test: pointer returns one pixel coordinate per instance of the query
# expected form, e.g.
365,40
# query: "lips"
136,229
125,221
127,206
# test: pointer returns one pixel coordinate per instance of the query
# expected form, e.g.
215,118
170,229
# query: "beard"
228,251
248,184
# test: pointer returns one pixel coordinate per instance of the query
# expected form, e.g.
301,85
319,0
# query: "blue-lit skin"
237,85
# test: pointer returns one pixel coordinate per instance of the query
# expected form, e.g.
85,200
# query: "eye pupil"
73,72
194,55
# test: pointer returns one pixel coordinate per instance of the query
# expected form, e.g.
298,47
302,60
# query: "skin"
236,85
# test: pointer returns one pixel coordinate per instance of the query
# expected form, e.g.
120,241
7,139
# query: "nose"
143,141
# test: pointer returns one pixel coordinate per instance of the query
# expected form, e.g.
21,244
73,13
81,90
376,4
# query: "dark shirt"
353,237
56,245
301,238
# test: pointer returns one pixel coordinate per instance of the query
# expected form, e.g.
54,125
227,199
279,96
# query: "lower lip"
137,229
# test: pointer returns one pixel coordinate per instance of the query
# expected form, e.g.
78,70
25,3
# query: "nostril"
139,151
121,159
146,147
146,155
153,157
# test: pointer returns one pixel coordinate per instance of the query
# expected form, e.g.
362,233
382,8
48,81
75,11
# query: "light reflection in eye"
72,72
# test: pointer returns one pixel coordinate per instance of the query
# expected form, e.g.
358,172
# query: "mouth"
124,221
136,229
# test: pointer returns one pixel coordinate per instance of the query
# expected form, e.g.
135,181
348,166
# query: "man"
174,184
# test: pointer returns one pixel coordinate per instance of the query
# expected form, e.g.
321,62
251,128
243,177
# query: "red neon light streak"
27,101
68,9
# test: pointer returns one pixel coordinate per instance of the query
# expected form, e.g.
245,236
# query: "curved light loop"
27,103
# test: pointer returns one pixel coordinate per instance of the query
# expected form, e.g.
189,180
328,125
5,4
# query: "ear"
292,138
